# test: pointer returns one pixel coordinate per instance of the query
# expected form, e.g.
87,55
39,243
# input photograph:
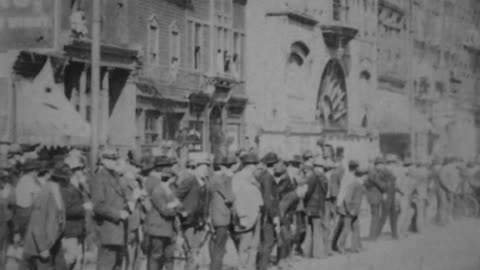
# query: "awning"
149,88
44,114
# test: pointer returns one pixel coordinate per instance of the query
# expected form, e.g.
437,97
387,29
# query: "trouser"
133,251
247,245
267,242
160,253
286,243
406,215
316,242
56,261
331,218
445,206
3,244
348,226
195,239
218,243
110,257
376,213
389,211
73,252
301,231
419,214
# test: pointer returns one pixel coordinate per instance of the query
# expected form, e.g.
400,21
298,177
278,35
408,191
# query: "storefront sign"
26,24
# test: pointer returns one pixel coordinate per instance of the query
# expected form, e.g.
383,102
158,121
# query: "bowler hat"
163,161
270,158
307,154
295,160
61,171
249,158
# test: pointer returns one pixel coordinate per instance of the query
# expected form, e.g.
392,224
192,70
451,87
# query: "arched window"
298,52
174,44
153,40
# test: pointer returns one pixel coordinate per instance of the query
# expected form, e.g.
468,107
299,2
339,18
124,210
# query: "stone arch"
332,103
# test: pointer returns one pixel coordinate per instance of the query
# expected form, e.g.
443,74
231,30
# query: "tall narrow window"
238,54
174,42
153,40
197,46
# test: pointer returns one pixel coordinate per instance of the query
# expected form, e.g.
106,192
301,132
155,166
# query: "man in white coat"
248,203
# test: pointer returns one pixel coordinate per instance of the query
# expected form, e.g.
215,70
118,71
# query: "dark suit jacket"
160,219
194,199
288,206
75,212
285,186
269,189
46,225
221,198
374,186
315,197
109,198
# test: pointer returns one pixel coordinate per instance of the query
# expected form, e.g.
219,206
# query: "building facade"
310,73
171,71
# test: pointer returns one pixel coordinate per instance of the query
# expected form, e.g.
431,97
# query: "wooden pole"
95,81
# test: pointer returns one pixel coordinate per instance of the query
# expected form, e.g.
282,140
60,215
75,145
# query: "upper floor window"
174,48
238,54
153,40
198,54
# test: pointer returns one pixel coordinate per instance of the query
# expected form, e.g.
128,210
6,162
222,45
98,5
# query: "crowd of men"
307,205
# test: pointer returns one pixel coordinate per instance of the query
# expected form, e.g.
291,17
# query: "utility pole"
410,84
95,81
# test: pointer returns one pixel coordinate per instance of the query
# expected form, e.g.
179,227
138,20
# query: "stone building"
170,71
311,73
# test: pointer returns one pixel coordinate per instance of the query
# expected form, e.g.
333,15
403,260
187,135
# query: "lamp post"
95,81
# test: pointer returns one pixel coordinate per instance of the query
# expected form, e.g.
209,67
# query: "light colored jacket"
248,197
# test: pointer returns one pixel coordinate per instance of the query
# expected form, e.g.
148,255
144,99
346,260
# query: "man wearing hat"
26,191
349,203
389,206
406,188
43,247
221,208
159,240
449,178
270,216
317,240
5,215
193,194
77,207
375,193
110,206
248,203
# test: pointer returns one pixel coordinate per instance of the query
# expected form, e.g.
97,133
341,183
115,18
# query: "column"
83,93
104,108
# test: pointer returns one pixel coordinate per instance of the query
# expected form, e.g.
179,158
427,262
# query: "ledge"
338,35
295,16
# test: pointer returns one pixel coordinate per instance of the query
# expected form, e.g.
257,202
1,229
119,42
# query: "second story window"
197,46
174,48
153,41
238,54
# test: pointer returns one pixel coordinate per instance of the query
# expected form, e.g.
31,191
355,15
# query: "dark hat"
109,154
249,158
307,154
61,171
224,161
270,158
297,159
353,163
321,141
379,160
163,161
32,165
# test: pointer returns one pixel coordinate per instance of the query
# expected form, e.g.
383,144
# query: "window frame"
153,42
174,42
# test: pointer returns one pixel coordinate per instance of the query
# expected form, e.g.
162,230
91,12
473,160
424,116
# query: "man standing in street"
375,190
159,242
270,217
192,193
317,245
248,203
406,186
110,206
221,203
389,206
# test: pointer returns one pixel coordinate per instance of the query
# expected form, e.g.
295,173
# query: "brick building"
170,70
